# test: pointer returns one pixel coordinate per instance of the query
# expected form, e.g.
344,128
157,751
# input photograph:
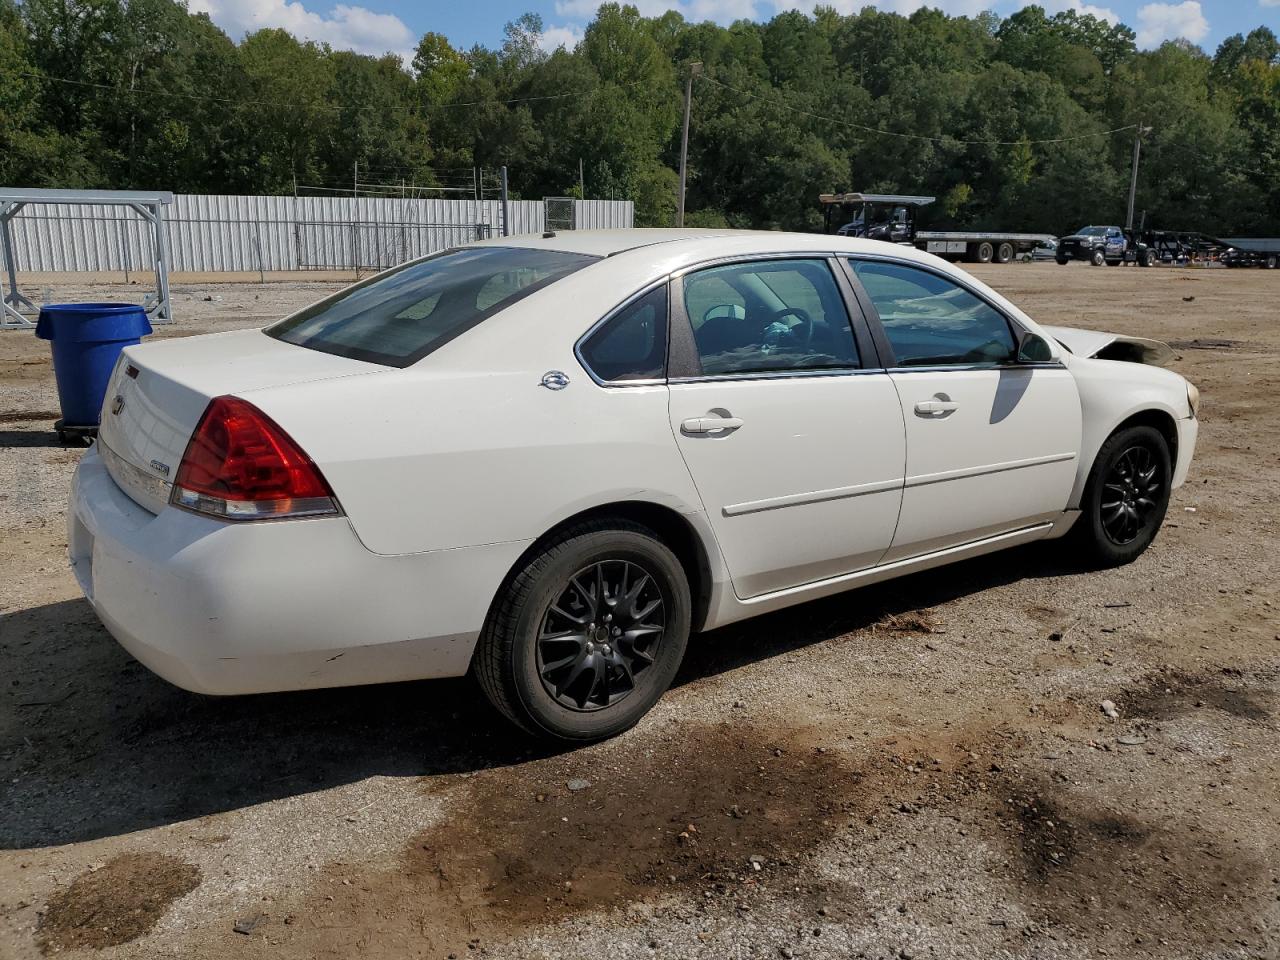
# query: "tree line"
1025,122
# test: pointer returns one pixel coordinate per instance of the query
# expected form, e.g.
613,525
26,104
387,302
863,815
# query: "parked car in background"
1044,250
548,459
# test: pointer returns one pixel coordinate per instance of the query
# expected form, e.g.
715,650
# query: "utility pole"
506,222
1133,177
355,179
582,182
694,69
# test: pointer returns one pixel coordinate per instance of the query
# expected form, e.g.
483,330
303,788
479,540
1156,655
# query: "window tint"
632,345
398,317
769,315
930,320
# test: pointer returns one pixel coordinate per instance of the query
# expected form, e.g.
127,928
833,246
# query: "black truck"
1116,246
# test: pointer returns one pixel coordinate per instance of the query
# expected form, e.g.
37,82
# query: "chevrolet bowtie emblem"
117,404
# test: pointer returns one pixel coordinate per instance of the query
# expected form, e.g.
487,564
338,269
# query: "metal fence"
271,234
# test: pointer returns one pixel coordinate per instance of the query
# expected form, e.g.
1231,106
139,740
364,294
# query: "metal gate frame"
148,205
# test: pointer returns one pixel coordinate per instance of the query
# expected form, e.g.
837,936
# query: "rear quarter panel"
467,447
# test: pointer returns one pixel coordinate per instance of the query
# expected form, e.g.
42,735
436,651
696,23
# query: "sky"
381,26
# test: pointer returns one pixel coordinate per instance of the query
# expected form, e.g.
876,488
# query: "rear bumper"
225,608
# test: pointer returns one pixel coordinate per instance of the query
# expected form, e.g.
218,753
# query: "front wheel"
1126,497
1098,259
588,633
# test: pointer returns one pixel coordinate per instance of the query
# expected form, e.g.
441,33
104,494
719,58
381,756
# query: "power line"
317,105
910,136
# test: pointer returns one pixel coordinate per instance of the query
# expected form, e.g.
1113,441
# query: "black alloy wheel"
1131,494
600,633
1125,497
587,632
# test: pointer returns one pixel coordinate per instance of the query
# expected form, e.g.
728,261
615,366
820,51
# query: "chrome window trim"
623,384
753,257
780,374
960,367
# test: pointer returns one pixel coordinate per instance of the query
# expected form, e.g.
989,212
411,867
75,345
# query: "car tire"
1004,253
587,697
1062,261
984,252
1271,261
1112,532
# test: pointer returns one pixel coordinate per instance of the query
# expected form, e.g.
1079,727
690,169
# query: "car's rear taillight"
239,465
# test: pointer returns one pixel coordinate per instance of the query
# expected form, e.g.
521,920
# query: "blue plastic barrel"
87,339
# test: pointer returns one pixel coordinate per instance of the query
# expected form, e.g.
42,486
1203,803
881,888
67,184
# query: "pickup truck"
1097,245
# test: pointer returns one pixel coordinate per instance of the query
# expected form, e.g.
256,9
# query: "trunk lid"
160,389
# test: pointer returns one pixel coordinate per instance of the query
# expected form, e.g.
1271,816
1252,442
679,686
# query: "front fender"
1112,391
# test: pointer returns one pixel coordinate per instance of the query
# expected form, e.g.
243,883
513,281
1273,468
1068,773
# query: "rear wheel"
1063,261
588,634
1272,260
1125,498
1004,253
984,252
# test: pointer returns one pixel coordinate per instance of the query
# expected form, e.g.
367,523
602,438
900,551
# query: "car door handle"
929,408
709,424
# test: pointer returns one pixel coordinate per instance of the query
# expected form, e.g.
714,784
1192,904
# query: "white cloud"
1269,3
344,27
553,38
1102,13
1158,22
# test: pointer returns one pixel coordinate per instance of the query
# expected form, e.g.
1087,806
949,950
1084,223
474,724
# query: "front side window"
398,317
768,315
931,321
632,345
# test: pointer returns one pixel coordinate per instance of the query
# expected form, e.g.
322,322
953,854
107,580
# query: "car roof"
691,244
602,243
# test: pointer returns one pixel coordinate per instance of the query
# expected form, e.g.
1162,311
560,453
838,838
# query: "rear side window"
397,318
633,344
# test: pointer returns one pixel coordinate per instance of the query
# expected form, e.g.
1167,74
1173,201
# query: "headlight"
1193,399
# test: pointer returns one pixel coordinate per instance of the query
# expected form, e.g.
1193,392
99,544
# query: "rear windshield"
398,317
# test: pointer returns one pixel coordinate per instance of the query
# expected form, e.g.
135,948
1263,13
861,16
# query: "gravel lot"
917,769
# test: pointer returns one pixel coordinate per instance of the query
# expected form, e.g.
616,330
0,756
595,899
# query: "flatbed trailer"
1252,252
891,217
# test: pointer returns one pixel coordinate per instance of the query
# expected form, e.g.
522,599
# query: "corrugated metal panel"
210,233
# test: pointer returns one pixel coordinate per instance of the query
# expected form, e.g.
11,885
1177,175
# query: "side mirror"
1033,348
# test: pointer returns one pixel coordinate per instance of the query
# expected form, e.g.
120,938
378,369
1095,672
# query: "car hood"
1112,346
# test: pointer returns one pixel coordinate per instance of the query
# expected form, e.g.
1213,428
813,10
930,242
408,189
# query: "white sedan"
546,460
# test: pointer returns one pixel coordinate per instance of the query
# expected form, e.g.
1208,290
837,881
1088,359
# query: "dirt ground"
919,769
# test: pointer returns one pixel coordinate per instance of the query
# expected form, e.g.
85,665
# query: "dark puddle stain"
1163,696
117,903
726,809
